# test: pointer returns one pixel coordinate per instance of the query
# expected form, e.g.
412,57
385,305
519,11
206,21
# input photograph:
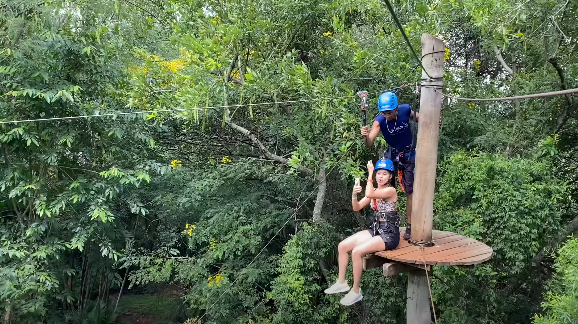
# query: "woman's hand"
370,169
356,189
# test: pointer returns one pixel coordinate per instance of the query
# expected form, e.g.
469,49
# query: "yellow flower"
214,280
213,244
226,160
174,65
446,54
477,64
327,34
189,228
176,164
472,105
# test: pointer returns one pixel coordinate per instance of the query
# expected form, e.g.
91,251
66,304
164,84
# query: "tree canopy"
213,145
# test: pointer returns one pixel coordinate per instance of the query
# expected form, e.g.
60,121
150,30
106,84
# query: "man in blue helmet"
393,122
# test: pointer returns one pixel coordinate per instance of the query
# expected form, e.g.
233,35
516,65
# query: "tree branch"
564,116
501,59
241,70
322,186
246,132
230,69
19,215
517,102
323,269
262,147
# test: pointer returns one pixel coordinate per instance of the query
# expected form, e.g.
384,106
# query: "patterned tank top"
382,205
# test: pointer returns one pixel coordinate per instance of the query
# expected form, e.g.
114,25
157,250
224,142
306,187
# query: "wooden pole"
427,139
433,50
418,306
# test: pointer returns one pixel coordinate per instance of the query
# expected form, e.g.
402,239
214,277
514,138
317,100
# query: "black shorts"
388,232
406,168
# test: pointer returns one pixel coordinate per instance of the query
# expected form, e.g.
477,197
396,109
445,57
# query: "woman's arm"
358,205
369,187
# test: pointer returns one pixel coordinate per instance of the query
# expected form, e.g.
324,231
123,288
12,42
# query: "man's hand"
369,136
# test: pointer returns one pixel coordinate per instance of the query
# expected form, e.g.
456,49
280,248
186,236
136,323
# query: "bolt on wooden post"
433,50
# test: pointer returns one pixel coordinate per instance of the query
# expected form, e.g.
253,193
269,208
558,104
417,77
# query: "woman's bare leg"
374,244
347,245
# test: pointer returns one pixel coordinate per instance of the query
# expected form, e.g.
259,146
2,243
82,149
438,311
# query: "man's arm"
370,135
415,116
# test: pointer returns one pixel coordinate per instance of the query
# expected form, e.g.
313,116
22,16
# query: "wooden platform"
449,249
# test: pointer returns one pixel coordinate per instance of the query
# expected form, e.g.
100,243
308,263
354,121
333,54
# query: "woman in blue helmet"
393,122
382,235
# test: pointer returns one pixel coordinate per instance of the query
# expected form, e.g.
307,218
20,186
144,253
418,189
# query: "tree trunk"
324,270
322,188
565,114
120,292
560,238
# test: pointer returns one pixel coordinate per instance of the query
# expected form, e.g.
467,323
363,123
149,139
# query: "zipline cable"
165,110
536,95
404,35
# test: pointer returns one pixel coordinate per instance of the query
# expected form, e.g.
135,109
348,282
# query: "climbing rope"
429,285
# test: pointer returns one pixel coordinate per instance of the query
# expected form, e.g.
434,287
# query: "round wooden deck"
449,249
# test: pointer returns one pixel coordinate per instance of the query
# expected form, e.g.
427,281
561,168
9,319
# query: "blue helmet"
384,164
387,101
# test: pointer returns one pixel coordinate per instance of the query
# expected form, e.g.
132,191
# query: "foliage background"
232,143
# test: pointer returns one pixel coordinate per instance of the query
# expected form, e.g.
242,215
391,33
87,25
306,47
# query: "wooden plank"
449,249
457,253
429,251
472,258
391,269
404,245
477,259
372,262
463,252
438,257
455,258
411,248
440,234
